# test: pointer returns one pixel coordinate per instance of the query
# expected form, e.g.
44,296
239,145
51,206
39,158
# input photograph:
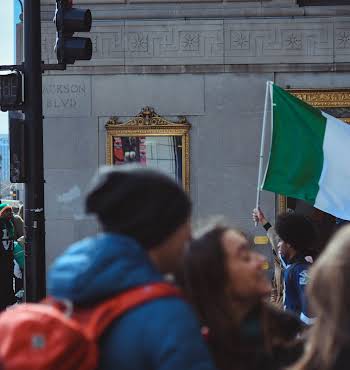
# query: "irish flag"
309,155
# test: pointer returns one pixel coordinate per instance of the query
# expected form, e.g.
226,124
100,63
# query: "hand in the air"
258,216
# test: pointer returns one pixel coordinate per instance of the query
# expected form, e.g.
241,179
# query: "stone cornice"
206,68
194,9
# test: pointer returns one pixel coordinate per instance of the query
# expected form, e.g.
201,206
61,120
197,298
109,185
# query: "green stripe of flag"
296,156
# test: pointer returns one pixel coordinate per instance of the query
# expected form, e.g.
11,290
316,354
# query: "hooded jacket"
162,334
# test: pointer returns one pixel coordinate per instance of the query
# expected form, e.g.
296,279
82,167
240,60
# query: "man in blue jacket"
297,240
145,217
293,241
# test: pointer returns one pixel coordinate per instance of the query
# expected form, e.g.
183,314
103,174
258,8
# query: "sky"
8,10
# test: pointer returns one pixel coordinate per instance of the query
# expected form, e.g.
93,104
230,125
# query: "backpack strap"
97,318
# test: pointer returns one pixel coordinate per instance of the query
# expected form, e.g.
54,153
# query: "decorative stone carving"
240,40
294,41
173,42
148,117
274,41
217,42
138,41
343,40
190,41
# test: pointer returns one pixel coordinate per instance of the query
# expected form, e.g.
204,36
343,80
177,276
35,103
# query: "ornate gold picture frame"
149,124
335,102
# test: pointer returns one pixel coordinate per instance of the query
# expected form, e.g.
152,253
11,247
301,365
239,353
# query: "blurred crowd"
226,316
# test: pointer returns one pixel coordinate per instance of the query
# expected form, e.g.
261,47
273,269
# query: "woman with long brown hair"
227,285
328,345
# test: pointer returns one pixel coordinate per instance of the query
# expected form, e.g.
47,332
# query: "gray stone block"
59,235
65,193
70,143
313,80
236,143
230,191
85,228
67,96
230,131
229,94
48,41
127,95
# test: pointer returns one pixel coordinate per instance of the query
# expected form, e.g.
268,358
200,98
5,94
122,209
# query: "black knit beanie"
138,202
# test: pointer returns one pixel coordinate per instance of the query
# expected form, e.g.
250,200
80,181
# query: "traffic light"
14,193
18,168
11,91
69,20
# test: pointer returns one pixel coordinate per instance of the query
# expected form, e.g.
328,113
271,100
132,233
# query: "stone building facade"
206,60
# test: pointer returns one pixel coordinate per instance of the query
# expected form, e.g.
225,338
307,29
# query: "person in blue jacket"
297,239
145,217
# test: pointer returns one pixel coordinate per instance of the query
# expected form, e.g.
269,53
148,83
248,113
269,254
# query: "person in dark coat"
297,238
7,295
328,343
293,254
145,217
226,283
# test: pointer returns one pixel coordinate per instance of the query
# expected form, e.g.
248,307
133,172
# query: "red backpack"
52,335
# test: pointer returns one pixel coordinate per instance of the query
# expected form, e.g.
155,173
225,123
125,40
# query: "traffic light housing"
11,91
18,170
69,20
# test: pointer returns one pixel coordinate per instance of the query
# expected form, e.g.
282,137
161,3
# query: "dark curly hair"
298,231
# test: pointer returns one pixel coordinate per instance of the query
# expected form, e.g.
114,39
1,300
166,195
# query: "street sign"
10,91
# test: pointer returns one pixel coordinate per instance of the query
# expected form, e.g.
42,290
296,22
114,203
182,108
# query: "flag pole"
262,145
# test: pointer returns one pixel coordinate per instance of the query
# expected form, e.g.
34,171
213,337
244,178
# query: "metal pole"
35,284
262,145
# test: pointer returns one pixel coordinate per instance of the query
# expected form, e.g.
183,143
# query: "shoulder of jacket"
298,266
168,306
